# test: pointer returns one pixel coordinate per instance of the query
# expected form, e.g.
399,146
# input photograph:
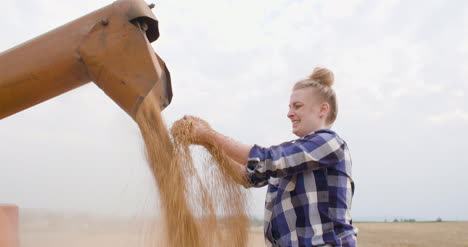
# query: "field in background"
55,230
453,234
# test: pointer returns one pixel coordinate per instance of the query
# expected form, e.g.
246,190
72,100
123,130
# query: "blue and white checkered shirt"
309,193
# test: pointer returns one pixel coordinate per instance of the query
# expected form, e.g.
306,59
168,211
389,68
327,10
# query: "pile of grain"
204,208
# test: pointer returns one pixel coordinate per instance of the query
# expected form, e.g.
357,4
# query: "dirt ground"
71,232
453,234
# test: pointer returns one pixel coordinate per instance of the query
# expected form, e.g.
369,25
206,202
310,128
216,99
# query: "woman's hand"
200,129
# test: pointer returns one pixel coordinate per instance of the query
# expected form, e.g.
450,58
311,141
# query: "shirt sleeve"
312,152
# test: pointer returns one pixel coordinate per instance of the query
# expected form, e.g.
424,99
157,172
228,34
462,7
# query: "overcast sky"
401,72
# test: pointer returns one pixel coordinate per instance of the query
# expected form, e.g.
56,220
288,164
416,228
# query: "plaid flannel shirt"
309,193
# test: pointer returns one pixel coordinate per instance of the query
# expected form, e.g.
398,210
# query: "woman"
309,180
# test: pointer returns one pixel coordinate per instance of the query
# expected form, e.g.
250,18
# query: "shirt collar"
321,131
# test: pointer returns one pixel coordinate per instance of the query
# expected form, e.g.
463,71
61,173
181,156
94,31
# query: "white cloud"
458,93
450,116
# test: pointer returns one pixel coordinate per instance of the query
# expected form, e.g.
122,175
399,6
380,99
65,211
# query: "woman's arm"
312,152
205,135
236,150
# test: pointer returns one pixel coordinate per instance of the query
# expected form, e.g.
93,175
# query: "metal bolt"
141,25
144,26
104,22
151,5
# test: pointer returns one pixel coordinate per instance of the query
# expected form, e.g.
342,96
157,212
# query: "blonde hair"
322,80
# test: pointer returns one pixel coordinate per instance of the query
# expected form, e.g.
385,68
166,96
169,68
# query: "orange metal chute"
110,47
8,225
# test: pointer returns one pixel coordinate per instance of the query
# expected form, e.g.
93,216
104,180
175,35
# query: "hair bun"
323,76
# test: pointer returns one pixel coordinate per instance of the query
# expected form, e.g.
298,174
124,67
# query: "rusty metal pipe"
9,225
107,46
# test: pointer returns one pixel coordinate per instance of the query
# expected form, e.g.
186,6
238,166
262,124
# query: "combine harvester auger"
110,47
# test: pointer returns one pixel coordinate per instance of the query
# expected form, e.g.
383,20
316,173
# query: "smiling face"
307,111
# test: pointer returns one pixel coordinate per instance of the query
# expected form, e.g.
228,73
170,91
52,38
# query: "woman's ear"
324,109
